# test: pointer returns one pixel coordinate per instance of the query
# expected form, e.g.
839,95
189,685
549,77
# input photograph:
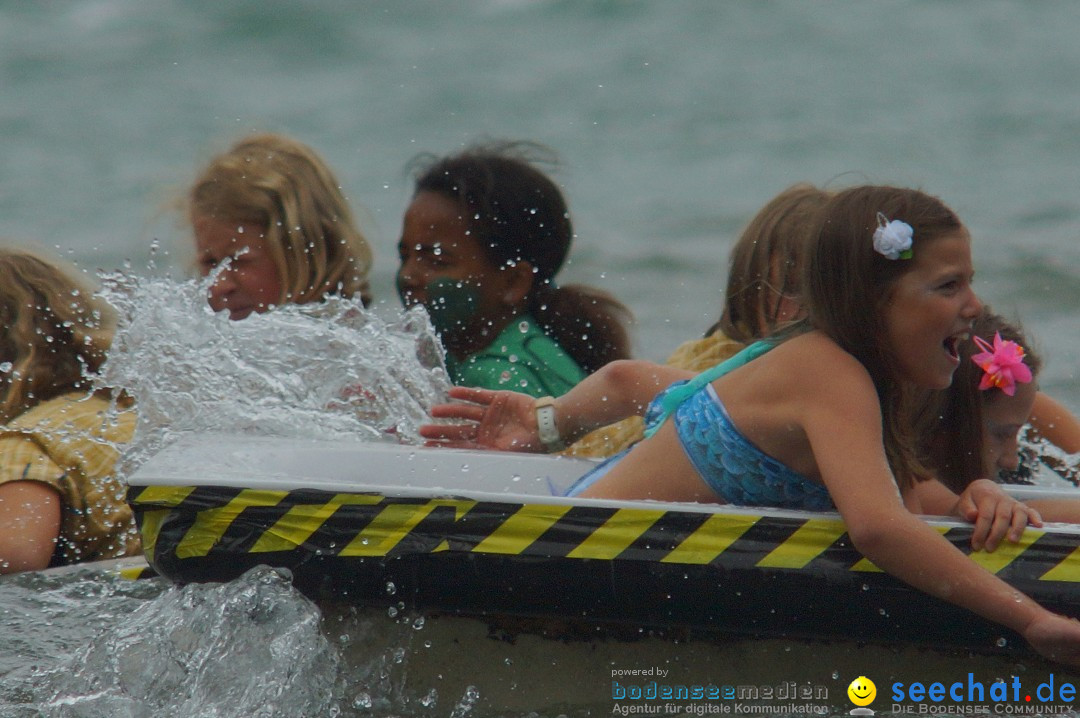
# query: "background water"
675,121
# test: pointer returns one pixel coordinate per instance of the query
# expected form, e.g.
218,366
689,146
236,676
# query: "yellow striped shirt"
70,443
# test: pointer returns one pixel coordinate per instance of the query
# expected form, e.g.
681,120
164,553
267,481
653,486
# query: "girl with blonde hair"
272,209
60,502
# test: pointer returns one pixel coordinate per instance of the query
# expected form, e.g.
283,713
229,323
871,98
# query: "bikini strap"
676,395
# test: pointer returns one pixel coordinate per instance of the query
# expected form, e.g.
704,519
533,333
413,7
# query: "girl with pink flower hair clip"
972,430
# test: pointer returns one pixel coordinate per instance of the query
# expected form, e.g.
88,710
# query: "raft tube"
489,534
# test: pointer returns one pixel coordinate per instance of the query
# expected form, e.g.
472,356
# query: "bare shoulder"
815,362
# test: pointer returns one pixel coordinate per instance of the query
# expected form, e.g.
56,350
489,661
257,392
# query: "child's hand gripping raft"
829,407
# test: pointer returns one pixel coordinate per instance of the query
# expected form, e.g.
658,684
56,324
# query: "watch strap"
545,425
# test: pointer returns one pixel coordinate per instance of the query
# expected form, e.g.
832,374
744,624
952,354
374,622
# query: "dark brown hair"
518,214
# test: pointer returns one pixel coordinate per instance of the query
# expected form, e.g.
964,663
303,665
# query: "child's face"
1003,417
930,310
436,245
252,282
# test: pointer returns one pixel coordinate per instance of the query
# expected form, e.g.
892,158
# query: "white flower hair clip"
892,239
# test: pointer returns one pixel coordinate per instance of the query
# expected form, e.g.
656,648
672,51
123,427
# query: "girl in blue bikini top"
889,299
739,472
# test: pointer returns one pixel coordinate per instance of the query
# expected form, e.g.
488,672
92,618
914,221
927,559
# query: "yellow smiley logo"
862,691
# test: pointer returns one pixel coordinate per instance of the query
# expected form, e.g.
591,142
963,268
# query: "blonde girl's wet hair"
56,332
282,185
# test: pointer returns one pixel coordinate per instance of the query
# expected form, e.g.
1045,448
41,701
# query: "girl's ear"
519,283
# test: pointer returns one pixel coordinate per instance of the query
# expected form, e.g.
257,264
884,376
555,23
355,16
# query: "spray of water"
327,370
252,647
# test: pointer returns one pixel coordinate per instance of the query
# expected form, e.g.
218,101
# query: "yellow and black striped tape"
193,522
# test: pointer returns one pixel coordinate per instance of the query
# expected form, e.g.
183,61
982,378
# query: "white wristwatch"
545,425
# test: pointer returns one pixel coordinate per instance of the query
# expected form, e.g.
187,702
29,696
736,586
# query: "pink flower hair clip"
1002,363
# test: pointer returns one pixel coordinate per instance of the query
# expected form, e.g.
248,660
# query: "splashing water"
327,370
252,647
1043,464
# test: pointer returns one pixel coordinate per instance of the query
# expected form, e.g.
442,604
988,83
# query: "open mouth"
952,345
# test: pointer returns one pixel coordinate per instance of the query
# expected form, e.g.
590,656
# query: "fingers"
966,508
452,444
984,522
469,412
448,432
473,394
999,520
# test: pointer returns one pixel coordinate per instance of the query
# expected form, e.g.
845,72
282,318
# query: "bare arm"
506,420
29,525
853,466
1055,423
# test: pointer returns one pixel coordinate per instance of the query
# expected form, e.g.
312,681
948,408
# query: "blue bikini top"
732,466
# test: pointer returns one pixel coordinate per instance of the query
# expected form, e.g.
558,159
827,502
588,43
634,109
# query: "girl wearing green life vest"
481,243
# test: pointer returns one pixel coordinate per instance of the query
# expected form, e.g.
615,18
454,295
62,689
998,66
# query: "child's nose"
973,306
1009,459
410,276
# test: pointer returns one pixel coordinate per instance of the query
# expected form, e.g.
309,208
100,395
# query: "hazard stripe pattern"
198,521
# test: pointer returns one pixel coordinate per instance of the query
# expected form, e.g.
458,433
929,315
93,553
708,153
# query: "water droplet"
391,589
1001,642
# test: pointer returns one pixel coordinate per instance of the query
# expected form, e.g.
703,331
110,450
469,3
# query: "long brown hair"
848,286
55,333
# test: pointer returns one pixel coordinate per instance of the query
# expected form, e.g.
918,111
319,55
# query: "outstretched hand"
497,420
995,513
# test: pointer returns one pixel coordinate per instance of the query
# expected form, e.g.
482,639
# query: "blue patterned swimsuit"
739,472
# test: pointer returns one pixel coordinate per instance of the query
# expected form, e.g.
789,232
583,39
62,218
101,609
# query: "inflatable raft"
489,534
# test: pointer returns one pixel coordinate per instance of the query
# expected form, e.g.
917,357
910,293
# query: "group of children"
840,374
